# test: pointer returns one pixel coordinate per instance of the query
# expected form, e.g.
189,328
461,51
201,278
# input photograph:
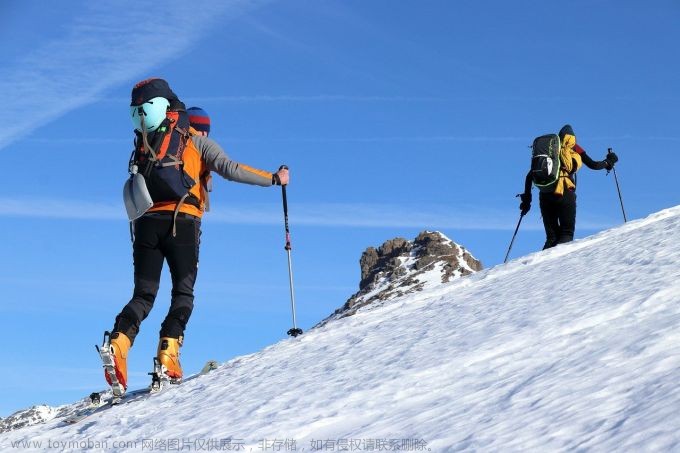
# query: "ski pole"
521,216
294,331
618,189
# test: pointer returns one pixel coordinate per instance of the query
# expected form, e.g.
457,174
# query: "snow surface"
575,348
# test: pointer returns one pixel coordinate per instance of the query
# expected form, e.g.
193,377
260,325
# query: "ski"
97,404
101,401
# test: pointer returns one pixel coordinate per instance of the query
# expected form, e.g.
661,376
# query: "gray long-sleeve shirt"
217,160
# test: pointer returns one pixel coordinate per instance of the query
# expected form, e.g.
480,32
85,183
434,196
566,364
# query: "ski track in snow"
575,348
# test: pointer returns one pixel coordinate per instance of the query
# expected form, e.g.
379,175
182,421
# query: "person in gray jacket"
170,230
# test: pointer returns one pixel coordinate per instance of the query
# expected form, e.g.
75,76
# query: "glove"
525,206
611,159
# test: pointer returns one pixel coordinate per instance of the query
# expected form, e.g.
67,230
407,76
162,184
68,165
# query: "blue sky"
394,117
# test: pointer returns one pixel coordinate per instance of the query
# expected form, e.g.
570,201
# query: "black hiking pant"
559,217
153,244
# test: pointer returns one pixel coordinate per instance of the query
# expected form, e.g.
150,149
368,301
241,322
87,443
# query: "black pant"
153,244
559,217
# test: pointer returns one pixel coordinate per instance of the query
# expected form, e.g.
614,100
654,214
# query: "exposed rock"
400,267
28,417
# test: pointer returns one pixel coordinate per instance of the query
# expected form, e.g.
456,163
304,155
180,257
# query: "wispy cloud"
385,98
298,98
377,139
61,209
318,98
368,215
411,98
103,48
351,215
384,139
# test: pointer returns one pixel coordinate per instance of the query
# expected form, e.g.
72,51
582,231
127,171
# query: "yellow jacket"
571,162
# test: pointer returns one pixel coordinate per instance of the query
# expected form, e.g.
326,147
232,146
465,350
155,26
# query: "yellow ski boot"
168,356
114,354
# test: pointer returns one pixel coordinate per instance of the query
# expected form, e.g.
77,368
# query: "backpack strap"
184,136
145,142
185,133
174,215
175,161
156,155
164,149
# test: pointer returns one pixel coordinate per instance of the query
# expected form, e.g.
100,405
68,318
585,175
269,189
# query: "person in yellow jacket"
170,230
558,203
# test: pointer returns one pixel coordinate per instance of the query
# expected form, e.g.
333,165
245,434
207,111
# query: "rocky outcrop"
28,417
400,267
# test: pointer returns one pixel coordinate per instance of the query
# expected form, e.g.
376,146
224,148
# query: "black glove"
525,205
611,159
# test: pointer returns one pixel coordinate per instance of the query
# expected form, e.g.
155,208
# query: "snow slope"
574,348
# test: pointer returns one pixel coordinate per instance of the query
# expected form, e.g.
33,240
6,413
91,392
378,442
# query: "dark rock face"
400,267
437,247
386,258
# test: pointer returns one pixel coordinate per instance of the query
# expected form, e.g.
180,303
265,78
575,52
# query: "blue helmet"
151,113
